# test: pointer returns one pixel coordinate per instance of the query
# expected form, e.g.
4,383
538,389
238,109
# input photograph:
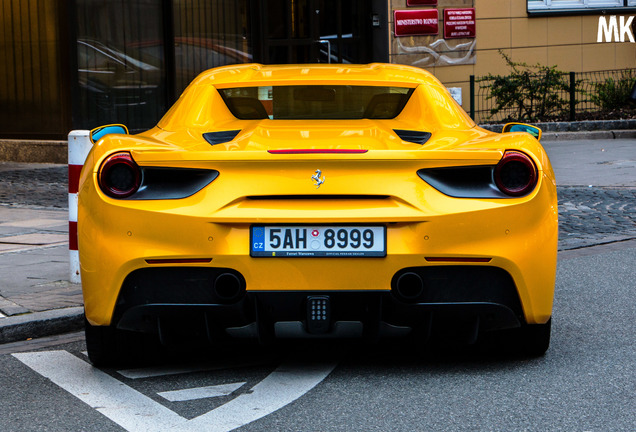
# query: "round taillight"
119,175
515,174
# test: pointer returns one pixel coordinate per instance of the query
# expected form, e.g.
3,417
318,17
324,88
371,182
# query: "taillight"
515,174
119,175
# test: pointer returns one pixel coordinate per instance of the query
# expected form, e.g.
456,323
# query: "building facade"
70,64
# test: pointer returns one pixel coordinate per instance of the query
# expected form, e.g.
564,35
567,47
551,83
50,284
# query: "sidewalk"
35,293
36,298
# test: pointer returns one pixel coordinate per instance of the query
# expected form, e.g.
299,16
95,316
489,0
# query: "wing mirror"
99,132
522,127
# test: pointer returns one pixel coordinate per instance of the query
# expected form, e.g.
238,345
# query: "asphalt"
596,179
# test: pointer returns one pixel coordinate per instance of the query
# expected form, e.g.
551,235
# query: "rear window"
316,102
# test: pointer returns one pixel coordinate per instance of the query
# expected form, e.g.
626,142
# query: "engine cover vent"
220,137
417,137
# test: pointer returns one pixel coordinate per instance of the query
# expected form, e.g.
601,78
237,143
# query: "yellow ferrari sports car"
317,201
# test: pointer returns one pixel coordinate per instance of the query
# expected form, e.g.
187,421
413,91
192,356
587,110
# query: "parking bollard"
79,144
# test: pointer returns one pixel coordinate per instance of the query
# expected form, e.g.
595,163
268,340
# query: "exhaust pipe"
228,287
410,286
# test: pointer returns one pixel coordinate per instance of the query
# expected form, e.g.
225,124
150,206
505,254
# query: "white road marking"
125,406
200,392
283,386
166,371
135,411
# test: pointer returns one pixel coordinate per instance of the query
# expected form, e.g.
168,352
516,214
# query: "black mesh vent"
172,285
465,284
220,137
417,137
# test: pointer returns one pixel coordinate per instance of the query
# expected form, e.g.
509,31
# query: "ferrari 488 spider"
317,201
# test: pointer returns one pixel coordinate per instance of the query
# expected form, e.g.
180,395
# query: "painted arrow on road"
135,411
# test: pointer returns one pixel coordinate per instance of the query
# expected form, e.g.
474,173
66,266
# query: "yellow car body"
318,173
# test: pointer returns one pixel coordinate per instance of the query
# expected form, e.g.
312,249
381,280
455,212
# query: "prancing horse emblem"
317,179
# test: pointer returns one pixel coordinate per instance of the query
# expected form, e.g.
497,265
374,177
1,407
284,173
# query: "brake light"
317,151
516,174
119,175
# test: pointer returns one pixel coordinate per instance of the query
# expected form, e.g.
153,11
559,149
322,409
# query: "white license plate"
317,241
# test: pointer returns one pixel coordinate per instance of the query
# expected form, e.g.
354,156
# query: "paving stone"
589,216
9,308
39,186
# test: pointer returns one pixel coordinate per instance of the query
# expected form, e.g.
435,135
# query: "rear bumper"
474,298
518,236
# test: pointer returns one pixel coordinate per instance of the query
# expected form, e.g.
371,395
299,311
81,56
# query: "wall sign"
421,2
416,22
459,23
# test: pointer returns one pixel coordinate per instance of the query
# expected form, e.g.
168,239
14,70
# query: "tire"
108,346
535,339
529,340
101,345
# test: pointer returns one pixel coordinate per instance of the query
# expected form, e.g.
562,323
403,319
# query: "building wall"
41,93
33,72
569,42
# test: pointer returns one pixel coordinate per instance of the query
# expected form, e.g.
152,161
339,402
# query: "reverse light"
119,175
515,174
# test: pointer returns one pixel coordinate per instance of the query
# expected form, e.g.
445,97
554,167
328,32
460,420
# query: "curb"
33,151
575,126
588,135
40,324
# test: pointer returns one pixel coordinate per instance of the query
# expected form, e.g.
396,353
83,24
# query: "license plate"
318,241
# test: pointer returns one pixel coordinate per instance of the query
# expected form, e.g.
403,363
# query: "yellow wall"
569,42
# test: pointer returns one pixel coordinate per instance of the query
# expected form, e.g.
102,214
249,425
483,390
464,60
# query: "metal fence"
574,96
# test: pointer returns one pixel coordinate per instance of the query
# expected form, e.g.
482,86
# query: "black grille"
172,285
467,284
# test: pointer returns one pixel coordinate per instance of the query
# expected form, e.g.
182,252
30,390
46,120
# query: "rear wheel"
535,339
101,344
108,346
530,340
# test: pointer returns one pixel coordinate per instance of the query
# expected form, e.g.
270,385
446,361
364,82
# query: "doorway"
313,31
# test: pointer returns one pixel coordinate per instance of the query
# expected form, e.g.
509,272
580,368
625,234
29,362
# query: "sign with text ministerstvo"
416,22
459,23
421,2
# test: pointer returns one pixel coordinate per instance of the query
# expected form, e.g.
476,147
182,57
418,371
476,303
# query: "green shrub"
613,93
530,93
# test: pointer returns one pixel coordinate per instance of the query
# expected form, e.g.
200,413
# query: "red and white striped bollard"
79,144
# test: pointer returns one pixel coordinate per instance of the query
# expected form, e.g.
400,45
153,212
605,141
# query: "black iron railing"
575,96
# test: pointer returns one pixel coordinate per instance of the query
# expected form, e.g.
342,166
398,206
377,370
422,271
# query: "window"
316,102
576,5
